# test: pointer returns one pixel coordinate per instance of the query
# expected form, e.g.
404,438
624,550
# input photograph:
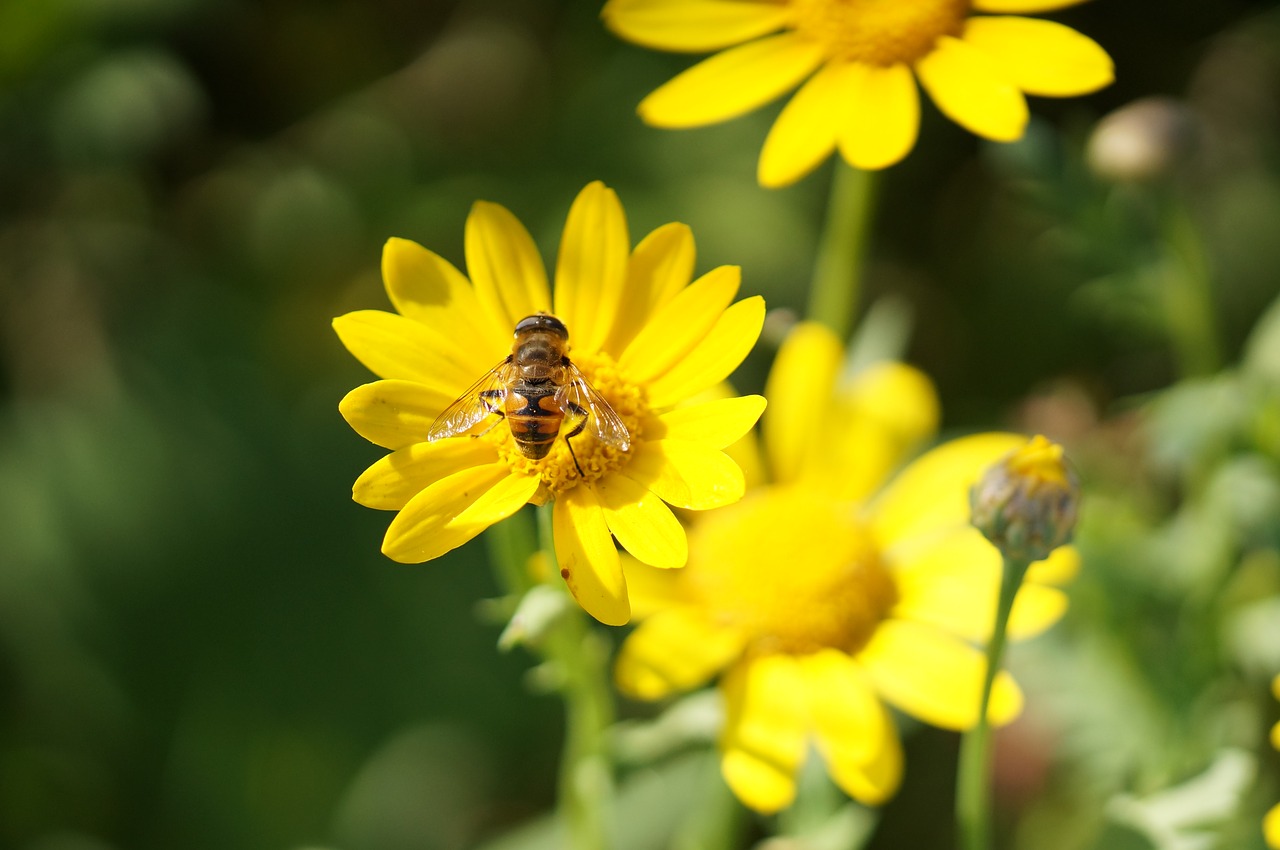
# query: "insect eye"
543,322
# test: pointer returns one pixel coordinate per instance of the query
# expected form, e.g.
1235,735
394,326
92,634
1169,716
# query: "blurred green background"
200,644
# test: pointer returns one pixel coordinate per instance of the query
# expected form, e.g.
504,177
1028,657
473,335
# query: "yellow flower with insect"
1271,823
859,62
495,393
827,595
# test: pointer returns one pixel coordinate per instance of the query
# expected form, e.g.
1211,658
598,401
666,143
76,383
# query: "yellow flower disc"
879,32
794,572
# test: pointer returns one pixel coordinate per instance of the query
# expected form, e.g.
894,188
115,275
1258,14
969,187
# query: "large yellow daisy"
825,596
643,335
861,60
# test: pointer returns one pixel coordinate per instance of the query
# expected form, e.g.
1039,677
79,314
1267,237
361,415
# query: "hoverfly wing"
484,398
603,421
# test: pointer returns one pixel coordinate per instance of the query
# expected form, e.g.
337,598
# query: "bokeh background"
200,644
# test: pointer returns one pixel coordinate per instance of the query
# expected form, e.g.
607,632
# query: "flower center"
878,32
557,470
796,572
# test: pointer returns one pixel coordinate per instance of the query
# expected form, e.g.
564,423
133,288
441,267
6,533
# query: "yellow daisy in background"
827,595
859,61
1271,823
641,333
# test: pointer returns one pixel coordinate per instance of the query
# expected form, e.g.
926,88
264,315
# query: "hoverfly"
536,389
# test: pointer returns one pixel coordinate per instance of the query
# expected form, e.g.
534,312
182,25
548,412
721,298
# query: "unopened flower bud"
1026,503
1144,140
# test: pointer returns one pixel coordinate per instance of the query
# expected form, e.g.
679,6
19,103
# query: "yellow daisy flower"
641,334
1271,823
861,60
826,596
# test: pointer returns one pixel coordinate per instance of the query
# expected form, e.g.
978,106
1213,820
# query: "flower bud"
1026,503
1144,140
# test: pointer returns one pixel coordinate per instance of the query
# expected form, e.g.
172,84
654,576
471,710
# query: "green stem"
973,789
586,771
1187,292
837,277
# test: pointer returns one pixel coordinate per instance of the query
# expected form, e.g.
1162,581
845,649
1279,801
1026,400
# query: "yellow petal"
854,732
427,288
687,475
719,353
1271,827
588,560
680,325
675,650
973,91
392,414
643,525
693,26
763,742
510,279
592,266
1042,57
440,518
954,584
805,133
844,708
716,423
1019,6
882,110
881,417
1275,689
799,390
931,496
394,347
652,590
1060,567
732,83
935,677
392,481
659,267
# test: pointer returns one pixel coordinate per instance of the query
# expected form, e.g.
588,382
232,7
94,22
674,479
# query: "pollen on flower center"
557,470
878,32
797,573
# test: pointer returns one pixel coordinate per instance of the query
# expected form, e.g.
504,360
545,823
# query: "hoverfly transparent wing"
484,398
580,398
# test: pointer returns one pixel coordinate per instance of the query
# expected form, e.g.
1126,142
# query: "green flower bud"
1026,503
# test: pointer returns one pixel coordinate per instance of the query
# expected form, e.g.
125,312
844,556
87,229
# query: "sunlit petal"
1042,57
393,414
733,82
799,392
972,90
588,559
1019,6
453,510
881,115
721,351
592,266
392,346
393,480
642,522
427,288
693,26
935,677
931,496
805,133
687,475
505,266
765,730
716,423
680,325
659,267
672,651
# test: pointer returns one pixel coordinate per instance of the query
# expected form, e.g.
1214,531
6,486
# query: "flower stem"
837,277
586,771
973,791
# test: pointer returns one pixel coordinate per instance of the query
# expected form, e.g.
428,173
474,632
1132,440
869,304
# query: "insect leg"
575,431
